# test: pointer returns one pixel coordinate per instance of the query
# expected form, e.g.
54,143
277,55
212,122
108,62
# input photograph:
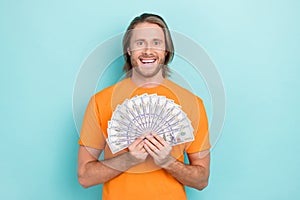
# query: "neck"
147,82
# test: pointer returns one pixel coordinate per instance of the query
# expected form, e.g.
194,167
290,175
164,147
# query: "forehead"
147,31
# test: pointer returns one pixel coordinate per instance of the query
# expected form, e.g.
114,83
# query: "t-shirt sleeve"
201,134
91,134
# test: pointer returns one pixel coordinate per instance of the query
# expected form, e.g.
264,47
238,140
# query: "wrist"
168,162
133,160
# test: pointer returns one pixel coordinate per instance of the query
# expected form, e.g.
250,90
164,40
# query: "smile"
147,61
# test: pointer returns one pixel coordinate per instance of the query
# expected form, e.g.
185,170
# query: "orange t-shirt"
146,180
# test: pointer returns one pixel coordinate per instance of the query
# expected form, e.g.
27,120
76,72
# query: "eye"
156,43
139,43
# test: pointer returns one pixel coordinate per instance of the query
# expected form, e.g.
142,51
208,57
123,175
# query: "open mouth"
147,60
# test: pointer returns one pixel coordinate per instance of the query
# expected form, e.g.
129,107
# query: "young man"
149,168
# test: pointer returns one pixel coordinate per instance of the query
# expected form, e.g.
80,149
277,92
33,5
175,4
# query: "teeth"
148,61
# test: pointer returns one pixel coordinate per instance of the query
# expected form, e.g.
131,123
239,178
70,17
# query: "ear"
128,51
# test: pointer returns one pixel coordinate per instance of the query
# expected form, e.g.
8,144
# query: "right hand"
137,152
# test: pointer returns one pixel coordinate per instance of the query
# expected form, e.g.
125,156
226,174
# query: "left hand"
159,150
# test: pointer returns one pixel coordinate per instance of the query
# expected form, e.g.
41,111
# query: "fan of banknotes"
146,113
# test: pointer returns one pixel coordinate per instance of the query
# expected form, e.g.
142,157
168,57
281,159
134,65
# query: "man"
149,168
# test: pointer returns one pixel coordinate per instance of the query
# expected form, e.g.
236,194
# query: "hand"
137,151
159,149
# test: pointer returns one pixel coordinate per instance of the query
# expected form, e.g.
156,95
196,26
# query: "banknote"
147,113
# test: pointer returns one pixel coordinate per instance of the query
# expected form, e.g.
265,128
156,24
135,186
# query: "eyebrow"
142,39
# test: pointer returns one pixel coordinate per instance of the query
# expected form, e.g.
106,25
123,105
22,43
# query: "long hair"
153,19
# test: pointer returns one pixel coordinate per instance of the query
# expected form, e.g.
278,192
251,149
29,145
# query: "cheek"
162,55
134,59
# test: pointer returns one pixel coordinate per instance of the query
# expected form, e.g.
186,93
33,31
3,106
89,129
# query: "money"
144,114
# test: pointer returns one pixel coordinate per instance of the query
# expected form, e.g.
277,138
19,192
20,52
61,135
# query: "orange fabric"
144,181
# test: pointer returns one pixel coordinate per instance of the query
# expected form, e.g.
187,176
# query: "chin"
148,73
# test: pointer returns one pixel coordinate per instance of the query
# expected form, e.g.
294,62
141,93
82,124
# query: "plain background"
255,46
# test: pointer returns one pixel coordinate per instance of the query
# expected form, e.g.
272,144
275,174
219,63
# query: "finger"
154,141
149,151
160,139
143,150
140,146
152,147
137,141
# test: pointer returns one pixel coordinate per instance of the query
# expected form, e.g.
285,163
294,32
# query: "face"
147,50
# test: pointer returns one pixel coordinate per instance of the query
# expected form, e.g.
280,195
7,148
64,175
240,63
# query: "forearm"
194,176
98,172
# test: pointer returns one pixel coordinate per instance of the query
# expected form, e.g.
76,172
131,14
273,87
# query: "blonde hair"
153,19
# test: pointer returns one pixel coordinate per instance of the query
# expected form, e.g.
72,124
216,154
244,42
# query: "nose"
147,49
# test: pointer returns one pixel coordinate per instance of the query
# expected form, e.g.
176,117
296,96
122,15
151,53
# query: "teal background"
254,44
